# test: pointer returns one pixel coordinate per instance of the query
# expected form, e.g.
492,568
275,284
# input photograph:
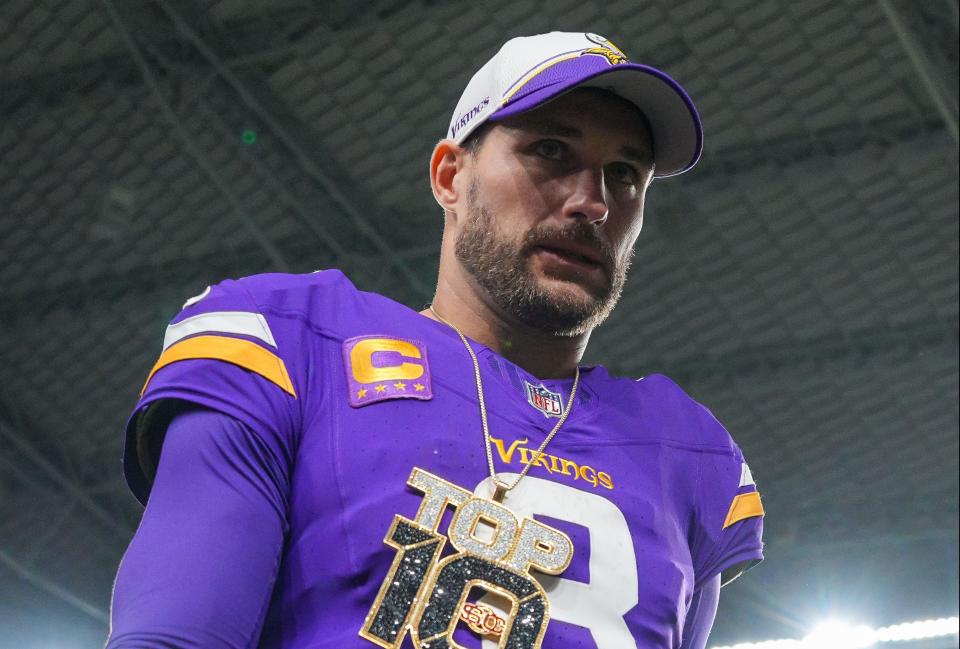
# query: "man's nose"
588,197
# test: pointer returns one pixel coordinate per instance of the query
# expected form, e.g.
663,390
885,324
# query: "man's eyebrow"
548,127
637,155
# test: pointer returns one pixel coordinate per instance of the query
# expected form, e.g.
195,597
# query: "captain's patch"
380,368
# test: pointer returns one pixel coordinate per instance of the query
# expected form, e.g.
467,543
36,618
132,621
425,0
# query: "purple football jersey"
352,391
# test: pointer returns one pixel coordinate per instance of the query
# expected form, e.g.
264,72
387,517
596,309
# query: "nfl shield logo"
544,400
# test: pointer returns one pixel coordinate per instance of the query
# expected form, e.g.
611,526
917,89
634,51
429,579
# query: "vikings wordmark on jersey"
649,489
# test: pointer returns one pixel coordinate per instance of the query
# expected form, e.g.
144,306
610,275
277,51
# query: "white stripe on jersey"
197,298
745,476
228,322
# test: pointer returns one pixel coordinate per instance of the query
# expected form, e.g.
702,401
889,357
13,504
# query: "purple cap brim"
677,130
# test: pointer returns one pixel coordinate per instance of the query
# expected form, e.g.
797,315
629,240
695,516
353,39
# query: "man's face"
553,207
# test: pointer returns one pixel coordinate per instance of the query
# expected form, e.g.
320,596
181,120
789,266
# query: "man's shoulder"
669,413
287,290
324,299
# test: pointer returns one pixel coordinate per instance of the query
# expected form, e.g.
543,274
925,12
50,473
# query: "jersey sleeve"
200,570
228,350
728,534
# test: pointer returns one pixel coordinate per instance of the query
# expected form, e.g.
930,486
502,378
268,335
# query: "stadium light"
834,634
921,630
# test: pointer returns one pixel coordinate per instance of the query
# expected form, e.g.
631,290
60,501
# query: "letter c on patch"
364,370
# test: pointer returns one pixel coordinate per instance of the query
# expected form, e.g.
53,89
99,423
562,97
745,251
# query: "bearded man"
327,468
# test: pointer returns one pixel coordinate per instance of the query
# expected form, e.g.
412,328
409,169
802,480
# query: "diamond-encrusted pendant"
427,597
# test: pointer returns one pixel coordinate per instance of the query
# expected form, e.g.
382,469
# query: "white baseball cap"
529,71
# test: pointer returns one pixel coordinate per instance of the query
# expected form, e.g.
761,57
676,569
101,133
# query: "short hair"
475,140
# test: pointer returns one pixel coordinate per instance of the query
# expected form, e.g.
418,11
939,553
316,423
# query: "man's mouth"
578,255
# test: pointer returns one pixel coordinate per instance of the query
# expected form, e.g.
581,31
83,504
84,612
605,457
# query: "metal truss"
932,51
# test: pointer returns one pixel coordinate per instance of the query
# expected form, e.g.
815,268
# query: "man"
338,471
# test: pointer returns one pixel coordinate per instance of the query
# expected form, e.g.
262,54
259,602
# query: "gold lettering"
567,464
542,461
583,474
507,455
605,479
524,456
553,464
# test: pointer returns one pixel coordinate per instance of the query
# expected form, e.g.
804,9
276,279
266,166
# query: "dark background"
801,281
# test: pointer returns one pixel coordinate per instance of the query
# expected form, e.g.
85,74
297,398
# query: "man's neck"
544,355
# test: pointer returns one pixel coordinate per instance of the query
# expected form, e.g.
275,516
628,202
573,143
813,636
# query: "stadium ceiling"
801,281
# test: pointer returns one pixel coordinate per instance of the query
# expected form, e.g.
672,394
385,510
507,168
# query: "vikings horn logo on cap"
607,49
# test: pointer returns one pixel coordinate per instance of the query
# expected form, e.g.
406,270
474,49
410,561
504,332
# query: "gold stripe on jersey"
243,353
744,506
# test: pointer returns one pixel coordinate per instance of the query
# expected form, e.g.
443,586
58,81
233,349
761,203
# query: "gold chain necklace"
501,488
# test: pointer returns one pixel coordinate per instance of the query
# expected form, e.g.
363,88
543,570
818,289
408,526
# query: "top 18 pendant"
427,596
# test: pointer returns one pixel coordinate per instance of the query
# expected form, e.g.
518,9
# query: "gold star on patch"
418,387
380,388
400,385
361,393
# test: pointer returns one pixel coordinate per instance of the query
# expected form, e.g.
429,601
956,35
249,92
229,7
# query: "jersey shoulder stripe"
746,477
746,505
243,323
238,351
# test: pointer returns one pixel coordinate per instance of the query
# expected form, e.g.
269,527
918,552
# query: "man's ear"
446,162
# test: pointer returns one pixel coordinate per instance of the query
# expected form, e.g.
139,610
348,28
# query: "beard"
503,268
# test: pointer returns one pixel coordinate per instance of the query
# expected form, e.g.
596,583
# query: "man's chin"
572,304
579,292
564,307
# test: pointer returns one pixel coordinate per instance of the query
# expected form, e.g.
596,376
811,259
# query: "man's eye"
550,149
623,173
